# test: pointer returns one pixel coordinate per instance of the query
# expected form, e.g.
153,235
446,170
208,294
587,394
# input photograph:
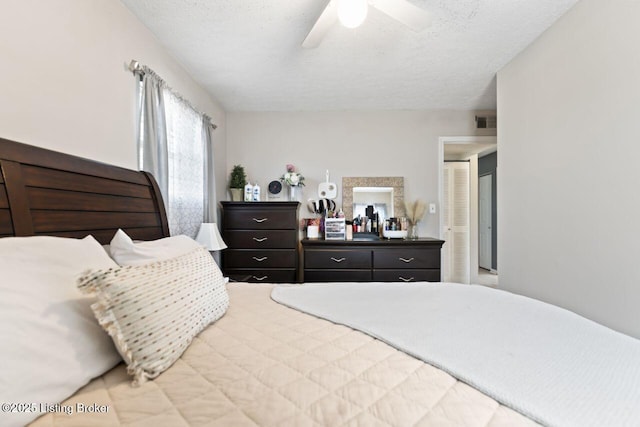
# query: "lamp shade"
210,238
352,13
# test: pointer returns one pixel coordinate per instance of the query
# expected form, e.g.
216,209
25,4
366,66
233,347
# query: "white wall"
569,140
397,143
64,84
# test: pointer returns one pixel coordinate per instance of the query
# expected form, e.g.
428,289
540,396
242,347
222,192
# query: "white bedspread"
546,362
266,365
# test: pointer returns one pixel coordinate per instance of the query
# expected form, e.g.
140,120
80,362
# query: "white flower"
292,178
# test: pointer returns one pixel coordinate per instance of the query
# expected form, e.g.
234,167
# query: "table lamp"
210,238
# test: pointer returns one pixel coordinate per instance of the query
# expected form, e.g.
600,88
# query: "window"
174,144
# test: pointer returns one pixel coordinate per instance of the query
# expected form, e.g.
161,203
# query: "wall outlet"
432,208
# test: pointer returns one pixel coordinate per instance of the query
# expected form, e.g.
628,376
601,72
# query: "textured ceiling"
248,54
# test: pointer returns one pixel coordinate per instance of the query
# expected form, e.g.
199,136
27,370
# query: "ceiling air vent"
485,122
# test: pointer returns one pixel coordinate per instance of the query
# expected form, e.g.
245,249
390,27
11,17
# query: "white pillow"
153,311
127,252
50,340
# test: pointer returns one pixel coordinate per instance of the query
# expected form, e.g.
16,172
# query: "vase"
413,231
295,193
236,194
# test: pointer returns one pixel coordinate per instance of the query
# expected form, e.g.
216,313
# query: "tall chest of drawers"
377,261
262,240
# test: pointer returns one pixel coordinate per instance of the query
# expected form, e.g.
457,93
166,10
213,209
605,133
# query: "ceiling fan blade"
401,10
327,18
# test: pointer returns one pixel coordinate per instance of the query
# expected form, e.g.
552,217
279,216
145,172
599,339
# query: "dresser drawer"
257,239
417,275
269,258
337,259
261,276
260,219
407,258
337,275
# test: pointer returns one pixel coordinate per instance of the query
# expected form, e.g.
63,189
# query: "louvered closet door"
456,251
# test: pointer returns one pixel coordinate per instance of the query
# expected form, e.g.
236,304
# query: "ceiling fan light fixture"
352,13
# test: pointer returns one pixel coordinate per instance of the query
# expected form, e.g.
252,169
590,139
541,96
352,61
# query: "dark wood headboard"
43,192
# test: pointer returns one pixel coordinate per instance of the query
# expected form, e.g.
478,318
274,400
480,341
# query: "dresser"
262,240
393,260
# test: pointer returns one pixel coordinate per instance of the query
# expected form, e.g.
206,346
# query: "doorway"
461,254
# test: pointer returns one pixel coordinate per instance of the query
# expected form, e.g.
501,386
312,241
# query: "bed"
261,364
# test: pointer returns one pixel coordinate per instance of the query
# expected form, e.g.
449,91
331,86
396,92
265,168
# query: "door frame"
473,193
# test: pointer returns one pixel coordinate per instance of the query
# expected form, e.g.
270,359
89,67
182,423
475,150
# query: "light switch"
432,208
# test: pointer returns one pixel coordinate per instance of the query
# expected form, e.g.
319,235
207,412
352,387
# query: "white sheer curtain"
174,144
186,167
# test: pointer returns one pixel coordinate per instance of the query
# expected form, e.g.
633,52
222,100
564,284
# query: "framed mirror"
371,191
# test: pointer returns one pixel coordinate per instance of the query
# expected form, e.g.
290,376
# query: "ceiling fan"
351,13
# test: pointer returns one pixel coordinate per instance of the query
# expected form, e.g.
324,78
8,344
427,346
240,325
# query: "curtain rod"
141,70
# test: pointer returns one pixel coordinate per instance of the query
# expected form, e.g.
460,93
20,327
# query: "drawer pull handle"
259,279
260,259
406,260
260,239
410,279
259,220
338,259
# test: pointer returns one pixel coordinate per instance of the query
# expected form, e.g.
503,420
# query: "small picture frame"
334,229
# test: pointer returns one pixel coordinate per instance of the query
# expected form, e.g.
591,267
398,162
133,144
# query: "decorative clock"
275,190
